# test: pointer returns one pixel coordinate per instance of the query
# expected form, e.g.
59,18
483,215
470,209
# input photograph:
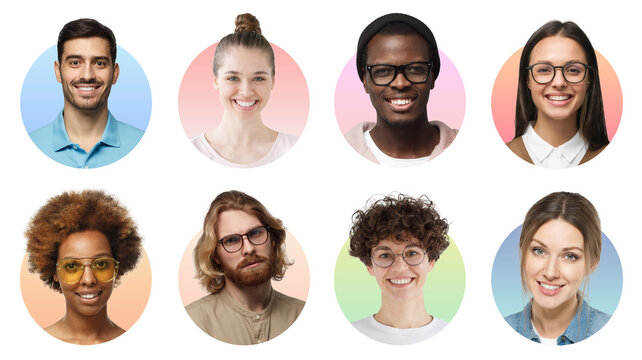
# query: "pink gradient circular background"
447,102
296,282
504,96
200,109
126,304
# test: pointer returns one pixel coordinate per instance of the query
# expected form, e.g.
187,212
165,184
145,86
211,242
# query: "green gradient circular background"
359,296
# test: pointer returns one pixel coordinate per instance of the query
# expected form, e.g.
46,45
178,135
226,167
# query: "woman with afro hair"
80,244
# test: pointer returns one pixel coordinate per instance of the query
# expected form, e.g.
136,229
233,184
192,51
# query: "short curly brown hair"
73,212
400,218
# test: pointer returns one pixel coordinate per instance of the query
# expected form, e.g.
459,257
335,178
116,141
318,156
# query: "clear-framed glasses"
574,72
70,270
384,74
256,236
384,257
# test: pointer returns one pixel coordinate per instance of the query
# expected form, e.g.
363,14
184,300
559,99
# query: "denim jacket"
586,322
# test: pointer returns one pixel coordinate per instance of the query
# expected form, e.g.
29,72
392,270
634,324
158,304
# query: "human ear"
114,78
55,277
364,82
215,83
57,72
431,265
370,270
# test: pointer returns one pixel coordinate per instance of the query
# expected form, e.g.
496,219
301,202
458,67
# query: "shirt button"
258,341
258,317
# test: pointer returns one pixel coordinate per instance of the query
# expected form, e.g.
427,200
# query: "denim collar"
577,330
61,139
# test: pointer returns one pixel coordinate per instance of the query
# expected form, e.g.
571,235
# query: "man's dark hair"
84,28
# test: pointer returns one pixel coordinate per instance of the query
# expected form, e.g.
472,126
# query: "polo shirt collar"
61,139
541,149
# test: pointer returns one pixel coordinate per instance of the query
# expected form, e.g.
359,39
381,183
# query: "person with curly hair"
241,250
81,243
399,239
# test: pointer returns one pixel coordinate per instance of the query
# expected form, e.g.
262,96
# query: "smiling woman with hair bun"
244,75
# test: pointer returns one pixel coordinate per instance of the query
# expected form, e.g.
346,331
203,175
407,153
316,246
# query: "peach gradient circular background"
447,102
296,282
201,110
505,96
125,305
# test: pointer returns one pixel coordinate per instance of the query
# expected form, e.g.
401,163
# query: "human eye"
232,78
574,68
256,232
381,71
571,257
538,251
74,62
418,69
71,266
543,69
101,264
232,240
259,78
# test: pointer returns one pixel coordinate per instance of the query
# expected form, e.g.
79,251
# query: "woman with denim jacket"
560,246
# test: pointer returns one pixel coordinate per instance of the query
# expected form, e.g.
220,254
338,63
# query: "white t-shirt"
384,159
389,335
546,155
282,144
543,340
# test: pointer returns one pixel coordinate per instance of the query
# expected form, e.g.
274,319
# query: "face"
400,281
87,297
253,264
86,73
244,81
558,100
555,264
401,102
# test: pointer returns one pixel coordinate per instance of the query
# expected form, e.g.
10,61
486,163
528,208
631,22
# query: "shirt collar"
576,331
541,149
61,139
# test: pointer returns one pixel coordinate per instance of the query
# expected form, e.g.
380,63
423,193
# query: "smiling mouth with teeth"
245,103
400,101
558,97
549,287
89,296
403,281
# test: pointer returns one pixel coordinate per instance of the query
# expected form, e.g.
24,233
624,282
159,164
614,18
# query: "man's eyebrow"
94,58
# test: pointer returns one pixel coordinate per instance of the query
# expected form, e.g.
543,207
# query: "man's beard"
251,276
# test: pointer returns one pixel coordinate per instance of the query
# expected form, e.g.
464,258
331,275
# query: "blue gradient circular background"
41,100
604,289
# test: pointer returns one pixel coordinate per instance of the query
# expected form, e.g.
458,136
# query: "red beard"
250,276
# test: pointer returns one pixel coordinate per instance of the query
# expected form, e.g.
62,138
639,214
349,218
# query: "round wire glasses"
384,257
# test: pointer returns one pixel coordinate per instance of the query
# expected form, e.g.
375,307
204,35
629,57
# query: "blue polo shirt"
117,141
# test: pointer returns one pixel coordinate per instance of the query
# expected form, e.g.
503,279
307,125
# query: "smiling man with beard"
85,134
242,248
398,63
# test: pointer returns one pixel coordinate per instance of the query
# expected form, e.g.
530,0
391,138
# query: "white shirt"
543,340
384,159
282,144
546,155
389,335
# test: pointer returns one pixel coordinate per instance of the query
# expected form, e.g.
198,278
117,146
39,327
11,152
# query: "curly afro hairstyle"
73,212
401,218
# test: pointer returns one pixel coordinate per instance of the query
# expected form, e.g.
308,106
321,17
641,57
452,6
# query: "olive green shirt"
223,318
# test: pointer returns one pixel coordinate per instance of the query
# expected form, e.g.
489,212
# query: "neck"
409,141
86,327
240,131
555,132
85,127
551,323
403,314
254,298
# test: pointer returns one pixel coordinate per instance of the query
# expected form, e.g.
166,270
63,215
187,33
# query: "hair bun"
247,22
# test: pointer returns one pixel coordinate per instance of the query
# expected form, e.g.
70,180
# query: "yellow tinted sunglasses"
70,270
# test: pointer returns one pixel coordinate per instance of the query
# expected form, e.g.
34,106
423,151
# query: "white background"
478,184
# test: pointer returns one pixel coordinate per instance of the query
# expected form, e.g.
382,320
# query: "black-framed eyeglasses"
256,236
384,257
384,74
573,73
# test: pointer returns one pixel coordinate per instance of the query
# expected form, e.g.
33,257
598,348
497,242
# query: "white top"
389,335
543,340
282,144
546,155
384,159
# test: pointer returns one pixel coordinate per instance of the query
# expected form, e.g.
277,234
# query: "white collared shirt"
546,155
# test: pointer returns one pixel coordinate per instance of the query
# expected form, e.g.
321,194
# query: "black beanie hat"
371,30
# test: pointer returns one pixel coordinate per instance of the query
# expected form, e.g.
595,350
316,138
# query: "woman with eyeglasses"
399,239
81,243
244,78
559,118
560,246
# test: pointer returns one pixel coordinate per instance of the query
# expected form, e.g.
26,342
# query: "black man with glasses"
398,63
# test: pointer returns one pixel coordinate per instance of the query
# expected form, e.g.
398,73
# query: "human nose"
245,88
398,262
400,81
248,247
88,277
552,269
558,80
